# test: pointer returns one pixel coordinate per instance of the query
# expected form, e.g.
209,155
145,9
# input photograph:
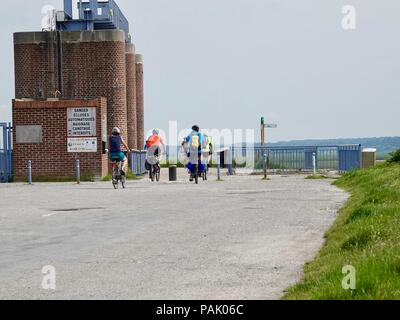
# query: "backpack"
195,143
153,140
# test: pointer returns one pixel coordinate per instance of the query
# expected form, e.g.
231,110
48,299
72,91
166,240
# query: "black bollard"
172,173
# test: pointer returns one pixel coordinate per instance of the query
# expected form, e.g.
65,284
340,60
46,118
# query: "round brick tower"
78,64
131,95
33,72
140,101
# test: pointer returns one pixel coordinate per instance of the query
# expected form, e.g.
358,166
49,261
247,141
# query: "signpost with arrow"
263,142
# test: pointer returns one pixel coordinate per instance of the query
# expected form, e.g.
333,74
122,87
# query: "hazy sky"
225,63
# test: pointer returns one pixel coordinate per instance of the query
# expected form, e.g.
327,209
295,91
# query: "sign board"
82,145
29,134
81,122
271,126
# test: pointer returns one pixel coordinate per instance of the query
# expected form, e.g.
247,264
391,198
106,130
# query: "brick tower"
131,95
85,65
140,101
73,84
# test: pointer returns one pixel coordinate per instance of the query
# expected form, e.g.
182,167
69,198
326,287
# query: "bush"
394,157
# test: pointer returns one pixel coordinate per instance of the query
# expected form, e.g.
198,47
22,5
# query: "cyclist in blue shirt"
192,136
194,143
116,142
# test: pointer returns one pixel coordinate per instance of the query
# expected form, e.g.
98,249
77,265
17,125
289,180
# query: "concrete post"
30,172
265,166
78,172
219,167
314,161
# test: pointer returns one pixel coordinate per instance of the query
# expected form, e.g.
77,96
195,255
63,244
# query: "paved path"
242,238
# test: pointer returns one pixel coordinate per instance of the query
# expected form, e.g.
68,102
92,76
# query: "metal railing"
297,158
138,162
5,152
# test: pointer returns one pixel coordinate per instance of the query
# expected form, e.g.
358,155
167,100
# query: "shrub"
394,157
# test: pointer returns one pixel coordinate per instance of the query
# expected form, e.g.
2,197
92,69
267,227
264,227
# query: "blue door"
5,152
349,157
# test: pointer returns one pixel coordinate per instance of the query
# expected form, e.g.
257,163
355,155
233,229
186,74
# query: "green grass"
129,176
366,235
53,179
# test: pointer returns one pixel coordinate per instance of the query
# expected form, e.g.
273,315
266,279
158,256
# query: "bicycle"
117,175
155,172
153,156
197,169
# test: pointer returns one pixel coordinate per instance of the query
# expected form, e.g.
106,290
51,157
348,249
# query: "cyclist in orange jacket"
155,148
155,142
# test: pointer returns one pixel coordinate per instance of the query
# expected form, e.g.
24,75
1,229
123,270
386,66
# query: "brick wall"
31,70
93,64
93,69
50,158
131,97
140,101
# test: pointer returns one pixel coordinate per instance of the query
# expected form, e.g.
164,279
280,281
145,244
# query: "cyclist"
155,147
208,149
156,142
194,142
116,142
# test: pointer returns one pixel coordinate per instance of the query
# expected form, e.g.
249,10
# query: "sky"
225,63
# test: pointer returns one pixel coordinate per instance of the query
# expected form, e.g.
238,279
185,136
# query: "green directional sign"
271,126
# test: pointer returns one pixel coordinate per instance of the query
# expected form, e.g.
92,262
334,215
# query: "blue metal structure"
5,152
340,158
93,15
138,162
349,157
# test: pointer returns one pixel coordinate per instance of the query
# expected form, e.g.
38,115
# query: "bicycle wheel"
123,181
115,178
205,175
158,173
196,174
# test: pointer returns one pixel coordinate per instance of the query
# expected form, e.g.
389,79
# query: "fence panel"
298,158
349,157
5,152
138,162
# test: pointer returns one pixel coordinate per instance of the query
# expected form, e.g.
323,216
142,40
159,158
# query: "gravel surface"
242,238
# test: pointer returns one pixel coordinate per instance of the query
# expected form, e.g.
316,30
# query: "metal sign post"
78,172
314,161
263,142
262,131
265,166
219,167
30,172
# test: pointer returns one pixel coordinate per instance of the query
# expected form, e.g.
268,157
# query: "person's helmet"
115,131
196,128
156,132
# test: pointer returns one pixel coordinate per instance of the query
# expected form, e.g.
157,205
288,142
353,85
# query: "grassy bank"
366,235
129,176
53,179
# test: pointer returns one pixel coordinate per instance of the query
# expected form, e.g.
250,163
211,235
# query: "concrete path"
242,238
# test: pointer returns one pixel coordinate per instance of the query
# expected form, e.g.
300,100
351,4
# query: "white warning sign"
81,122
82,145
